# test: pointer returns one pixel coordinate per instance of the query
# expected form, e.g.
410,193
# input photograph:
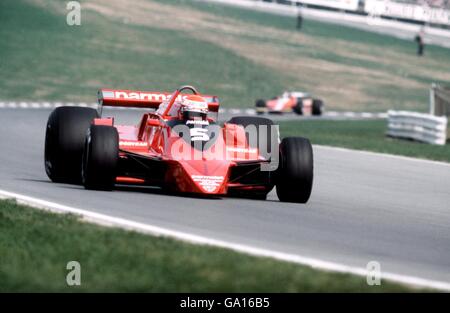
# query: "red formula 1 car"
178,146
291,101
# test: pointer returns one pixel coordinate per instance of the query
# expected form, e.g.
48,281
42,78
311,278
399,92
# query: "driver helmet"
194,107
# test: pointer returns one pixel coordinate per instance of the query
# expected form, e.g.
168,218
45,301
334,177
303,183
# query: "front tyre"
100,157
295,172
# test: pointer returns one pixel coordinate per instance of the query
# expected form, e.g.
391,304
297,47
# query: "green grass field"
362,135
239,55
43,58
35,247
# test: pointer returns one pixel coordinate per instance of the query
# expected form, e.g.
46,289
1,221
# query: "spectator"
420,42
299,18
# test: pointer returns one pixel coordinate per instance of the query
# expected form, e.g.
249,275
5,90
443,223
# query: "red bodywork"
153,153
287,104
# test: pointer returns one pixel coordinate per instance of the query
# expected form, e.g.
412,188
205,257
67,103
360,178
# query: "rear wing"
144,99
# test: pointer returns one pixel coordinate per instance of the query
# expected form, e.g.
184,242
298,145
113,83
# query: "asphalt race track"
364,207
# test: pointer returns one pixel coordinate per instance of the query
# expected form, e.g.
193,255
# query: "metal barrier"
440,100
417,126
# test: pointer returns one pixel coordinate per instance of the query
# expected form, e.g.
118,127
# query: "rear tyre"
295,172
317,107
100,157
64,142
260,106
298,108
263,134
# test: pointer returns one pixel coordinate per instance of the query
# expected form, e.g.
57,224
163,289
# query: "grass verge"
362,135
35,247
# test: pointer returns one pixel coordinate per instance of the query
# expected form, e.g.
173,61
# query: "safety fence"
417,11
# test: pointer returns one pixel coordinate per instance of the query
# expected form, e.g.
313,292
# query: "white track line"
107,220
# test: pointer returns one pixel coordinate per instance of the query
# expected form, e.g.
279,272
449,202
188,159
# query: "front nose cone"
208,177
209,184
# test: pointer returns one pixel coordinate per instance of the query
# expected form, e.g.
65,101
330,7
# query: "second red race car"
178,146
302,103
